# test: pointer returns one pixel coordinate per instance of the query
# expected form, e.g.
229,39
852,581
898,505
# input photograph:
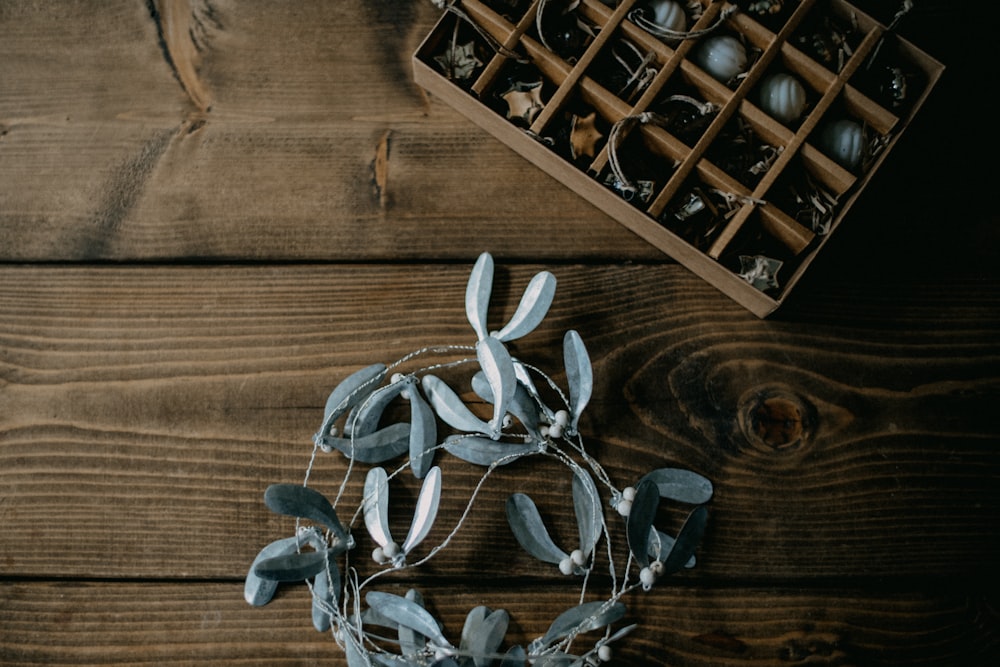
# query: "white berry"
628,493
562,418
566,566
624,507
604,653
391,550
578,558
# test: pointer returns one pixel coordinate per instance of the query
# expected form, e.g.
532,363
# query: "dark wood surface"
211,212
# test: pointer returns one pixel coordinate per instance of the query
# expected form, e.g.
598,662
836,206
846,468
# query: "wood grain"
212,211
144,410
139,624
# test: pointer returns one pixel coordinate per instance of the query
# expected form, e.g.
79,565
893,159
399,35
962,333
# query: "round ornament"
843,141
722,56
669,15
783,97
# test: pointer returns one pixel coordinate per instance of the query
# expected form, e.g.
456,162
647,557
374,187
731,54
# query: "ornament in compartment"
740,152
628,152
624,69
664,19
845,142
698,213
684,116
783,97
520,94
889,79
460,57
828,38
724,57
561,29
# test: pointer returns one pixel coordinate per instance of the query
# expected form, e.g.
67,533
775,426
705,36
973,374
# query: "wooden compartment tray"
741,177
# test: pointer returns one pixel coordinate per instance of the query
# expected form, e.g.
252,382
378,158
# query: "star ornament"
459,61
760,271
584,135
524,104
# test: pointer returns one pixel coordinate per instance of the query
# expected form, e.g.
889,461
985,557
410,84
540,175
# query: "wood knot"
776,418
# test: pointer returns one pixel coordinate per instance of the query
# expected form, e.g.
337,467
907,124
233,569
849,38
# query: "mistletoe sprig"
379,629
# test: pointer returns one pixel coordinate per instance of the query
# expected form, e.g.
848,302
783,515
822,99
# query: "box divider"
568,84
489,74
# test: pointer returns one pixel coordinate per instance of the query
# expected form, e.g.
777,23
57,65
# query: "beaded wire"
361,619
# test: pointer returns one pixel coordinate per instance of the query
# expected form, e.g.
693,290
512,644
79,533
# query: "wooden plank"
143,411
118,623
106,156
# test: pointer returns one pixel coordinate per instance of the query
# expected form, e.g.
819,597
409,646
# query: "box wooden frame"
828,89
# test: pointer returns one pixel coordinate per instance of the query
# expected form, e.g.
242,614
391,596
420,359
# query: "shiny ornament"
843,141
668,15
722,56
783,97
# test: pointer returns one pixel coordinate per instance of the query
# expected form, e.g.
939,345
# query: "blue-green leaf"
660,545
499,370
583,618
291,567
640,520
522,406
426,510
529,529
411,642
382,445
303,502
687,540
486,452
515,657
326,588
366,419
486,636
587,506
408,613
579,376
352,390
532,309
257,590
477,294
423,435
450,408
375,506
682,485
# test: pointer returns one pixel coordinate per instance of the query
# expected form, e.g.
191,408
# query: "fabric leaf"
426,510
640,520
352,390
687,540
382,445
291,567
579,376
527,526
450,408
408,613
423,435
685,486
583,618
499,370
487,452
587,506
477,294
522,406
256,590
532,309
301,501
376,506
366,420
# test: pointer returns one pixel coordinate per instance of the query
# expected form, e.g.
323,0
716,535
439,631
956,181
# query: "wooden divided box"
733,137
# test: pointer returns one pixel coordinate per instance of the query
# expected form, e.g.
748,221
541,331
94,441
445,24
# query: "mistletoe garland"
522,426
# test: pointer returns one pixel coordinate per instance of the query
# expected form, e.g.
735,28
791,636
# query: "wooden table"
212,212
